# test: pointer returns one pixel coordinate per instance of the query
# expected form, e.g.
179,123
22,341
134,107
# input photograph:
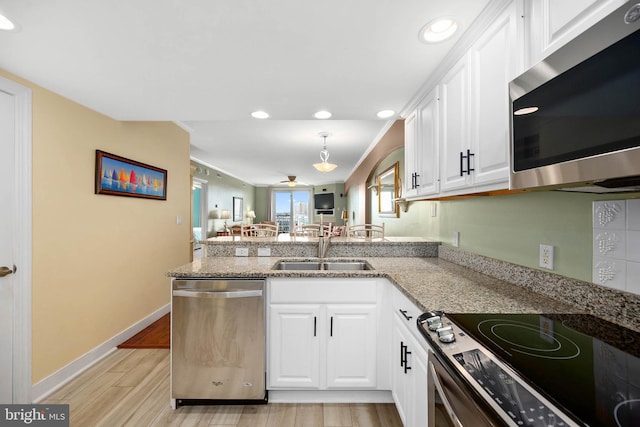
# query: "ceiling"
207,64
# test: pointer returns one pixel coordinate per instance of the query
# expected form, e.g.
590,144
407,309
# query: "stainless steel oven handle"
438,385
214,294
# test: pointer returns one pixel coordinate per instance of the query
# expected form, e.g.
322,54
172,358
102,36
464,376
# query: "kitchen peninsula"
430,282
433,276
365,316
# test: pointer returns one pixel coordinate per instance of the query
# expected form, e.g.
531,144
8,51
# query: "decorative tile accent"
616,243
609,214
633,277
610,272
633,214
633,246
609,244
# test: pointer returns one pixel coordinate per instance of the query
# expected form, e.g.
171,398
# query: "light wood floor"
130,387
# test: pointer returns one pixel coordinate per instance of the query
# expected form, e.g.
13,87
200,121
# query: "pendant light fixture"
324,166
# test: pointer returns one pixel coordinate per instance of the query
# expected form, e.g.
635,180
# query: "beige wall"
98,261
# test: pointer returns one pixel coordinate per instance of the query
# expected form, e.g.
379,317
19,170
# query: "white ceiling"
208,64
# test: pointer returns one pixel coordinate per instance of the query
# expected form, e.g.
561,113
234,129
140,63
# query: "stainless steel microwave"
575,116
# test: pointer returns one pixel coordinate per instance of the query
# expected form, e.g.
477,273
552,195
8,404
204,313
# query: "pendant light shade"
324,165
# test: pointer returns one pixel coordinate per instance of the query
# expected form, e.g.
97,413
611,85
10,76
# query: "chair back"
259,230
312,230
366,231
235,230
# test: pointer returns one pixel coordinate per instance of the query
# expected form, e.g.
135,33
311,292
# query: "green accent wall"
512,227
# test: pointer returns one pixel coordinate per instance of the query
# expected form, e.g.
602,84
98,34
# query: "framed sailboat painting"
118,176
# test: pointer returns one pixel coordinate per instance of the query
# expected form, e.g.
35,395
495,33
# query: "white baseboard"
48,385
330,396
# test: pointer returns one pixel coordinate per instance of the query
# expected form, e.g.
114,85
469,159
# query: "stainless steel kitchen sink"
298,265
322,265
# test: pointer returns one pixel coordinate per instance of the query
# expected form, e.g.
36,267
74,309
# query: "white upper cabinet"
549,24
475,111
421,148
454,128
492,65
411,155
457,139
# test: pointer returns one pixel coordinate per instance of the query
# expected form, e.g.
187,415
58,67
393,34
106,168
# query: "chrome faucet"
323,245
324,240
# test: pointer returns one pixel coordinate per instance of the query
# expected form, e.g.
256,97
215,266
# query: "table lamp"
225,215
251,215
345,217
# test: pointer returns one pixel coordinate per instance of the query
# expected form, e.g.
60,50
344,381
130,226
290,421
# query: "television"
323,201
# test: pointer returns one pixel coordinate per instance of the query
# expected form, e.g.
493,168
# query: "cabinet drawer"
322,290
405,309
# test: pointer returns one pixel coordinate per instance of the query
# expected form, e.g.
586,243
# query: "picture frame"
237,209
119,176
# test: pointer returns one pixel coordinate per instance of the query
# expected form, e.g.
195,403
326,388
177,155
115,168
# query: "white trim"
488,15
65,374
330,396
22,241
183,126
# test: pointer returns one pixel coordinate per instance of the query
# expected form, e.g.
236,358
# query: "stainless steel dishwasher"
217,341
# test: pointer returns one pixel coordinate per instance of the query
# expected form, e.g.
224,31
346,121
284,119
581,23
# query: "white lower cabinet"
409,370
294,345
350,346
317,342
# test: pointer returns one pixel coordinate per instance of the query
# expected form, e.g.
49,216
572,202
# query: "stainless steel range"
534,369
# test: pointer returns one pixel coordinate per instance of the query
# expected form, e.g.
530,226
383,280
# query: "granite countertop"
432,283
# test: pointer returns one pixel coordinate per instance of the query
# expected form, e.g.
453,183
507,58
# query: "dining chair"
259,230
366,231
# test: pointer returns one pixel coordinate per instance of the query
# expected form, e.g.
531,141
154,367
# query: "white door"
294,345
15,242
7,189
454,142
351,345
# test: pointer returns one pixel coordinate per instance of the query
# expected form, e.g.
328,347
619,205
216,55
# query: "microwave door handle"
433,375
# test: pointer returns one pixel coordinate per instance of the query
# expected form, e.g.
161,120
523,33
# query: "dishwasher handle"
216,294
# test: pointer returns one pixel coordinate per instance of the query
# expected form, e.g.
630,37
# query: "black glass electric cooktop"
586,365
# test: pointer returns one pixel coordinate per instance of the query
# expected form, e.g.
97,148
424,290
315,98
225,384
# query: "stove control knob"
446,334
434,323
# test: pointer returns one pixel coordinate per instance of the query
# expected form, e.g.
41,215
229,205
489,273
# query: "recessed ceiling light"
260,115
385,114
6,23
525,110
438,30
322,114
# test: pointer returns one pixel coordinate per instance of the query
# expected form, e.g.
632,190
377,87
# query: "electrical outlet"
264,251
546,256
434,210
455,240
242,251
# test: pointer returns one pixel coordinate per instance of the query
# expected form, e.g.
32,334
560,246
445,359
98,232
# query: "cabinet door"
419,386
294,347
351,346
454,141
411,155
492,67
552,24
400,379
428,126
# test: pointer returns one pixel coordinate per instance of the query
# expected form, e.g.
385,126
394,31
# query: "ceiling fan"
291,182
